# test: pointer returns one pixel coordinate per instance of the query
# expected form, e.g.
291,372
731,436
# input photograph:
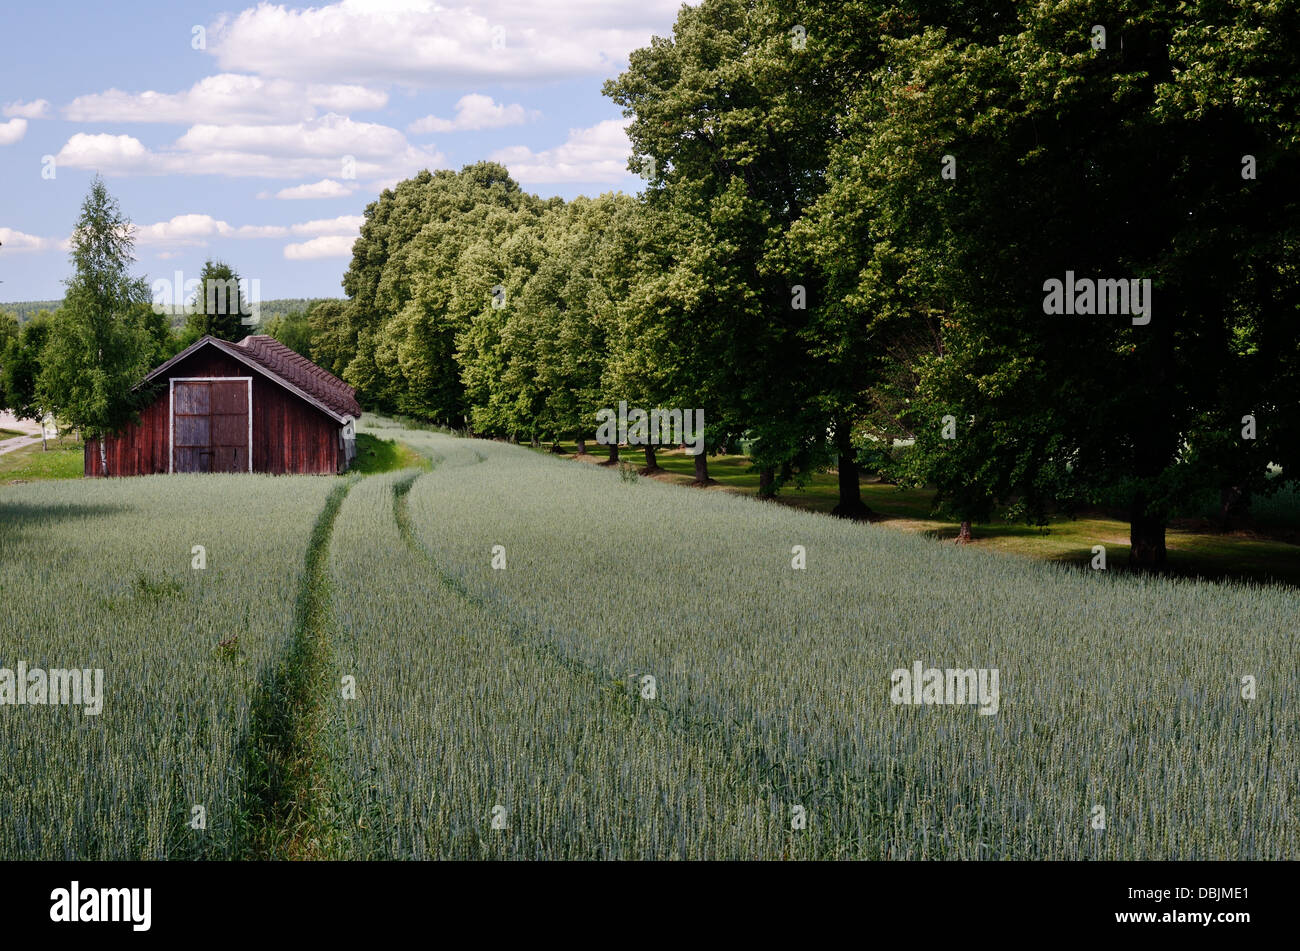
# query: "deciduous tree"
97,349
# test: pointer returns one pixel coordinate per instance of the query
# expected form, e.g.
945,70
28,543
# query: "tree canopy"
98,347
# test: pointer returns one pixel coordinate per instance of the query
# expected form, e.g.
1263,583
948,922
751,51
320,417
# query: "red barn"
252,406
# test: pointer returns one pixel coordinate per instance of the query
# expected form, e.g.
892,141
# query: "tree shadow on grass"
19,517
1273,570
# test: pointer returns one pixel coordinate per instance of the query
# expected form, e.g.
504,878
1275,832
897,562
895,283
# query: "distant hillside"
279,307
27,309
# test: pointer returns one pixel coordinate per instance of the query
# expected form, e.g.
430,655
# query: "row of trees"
851,212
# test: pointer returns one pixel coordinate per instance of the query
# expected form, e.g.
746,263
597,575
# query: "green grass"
285,813
376,455
63,460
1194,549
10,433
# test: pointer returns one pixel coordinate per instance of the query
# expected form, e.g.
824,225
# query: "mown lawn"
63,460
1193,551
375,455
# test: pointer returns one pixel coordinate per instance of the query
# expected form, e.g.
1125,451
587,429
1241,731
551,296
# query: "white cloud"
259,231
331,247
332,135
12,131
332,145
108,152
194,230
475,111
342,225
18,241
325,188
186,230
596,154
226,99
385,183
36,109
421,42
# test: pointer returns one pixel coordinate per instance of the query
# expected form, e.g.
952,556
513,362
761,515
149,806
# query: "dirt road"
31,430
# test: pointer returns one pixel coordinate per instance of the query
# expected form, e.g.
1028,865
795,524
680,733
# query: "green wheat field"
642,675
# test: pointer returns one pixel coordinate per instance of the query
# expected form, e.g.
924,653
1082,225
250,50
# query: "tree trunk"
536,442
850,505
1155,445
1231,505
613,455
702,468
651,464
963,533
767,482
103,457
582,446
1147,538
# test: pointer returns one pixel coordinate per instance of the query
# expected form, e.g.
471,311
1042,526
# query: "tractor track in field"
751,761
284,801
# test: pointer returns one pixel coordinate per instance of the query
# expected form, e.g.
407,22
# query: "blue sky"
263,147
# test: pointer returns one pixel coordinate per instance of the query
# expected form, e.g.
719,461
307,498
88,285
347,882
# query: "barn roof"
277,362
297,369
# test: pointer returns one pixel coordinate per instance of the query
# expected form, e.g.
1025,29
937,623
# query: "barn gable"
219,406
291,370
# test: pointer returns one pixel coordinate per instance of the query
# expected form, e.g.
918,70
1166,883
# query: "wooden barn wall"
140,449
289,434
